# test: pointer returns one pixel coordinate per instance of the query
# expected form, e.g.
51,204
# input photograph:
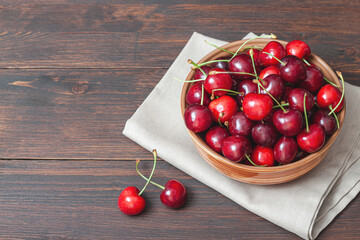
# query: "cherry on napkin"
304,206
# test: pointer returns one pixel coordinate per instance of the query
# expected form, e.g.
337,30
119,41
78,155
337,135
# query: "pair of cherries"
259,102
173,195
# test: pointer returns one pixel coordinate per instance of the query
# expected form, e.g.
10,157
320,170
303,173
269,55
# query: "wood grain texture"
78,200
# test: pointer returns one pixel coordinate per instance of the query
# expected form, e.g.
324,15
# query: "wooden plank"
78,200
149,34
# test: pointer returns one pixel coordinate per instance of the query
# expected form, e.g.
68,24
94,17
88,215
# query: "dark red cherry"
268,71
235,147
256,54
329,95
245,87
198,118
298,48
223,107
325,120
195,93
269,117
242,63
285,150
222,65
312,140
199,75
174,195
130,202
218,81
286,94
215,137
274,85
296,99
264,134
288,123
314,79
274,48
293,71
257,106
263,156
239,124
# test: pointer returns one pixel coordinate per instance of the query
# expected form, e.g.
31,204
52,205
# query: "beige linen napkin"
304,206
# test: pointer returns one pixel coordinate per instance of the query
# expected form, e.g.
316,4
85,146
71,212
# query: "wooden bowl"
252,174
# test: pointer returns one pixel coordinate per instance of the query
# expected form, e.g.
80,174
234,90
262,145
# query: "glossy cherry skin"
216,81
268,71
174,195
274,85
198,118
235,147
328,123
298,48
274,48
312,140
329,95
222,65
242,63
199,75
195,93
263,156
130,202
239,124
293,71
256,54
314,79
245,87
224,108
288,123
296,99
264,134
257,106
285,150
215,137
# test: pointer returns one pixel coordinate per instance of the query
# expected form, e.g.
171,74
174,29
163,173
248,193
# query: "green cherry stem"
197,80
342,94
202,94
213,61
248,158
220,116
280,106
222,49
307,63
197,66
305,114
252,60
282,63
336,118
253,47
227,90
148,179
283,105
327,80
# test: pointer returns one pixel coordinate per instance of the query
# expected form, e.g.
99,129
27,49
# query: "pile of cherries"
263,106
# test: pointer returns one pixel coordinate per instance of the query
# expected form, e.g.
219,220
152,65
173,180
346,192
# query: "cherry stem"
248,158
283,105
260,84
220,115
222,49
336,118
253,47
327,80
227,90
213,61
342,94
265,36
197,66
282,63
252,60
305,114
197,80
202,94
151,174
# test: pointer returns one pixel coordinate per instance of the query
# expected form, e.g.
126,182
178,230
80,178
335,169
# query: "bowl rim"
201,143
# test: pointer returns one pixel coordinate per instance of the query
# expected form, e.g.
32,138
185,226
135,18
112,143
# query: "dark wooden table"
72,73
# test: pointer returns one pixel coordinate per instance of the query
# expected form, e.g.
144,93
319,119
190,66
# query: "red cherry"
329,95
242,63
130,202
174,195
293,70
245,87
199,74
314,79
223,107
256,54
288,123
274,48
312,140
325,120
298,48
215,137
195,93
239,124
263,156
264,134
235,148
218,81
296,99
257,106
268,71
197,118
273,85
222,65
285,150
